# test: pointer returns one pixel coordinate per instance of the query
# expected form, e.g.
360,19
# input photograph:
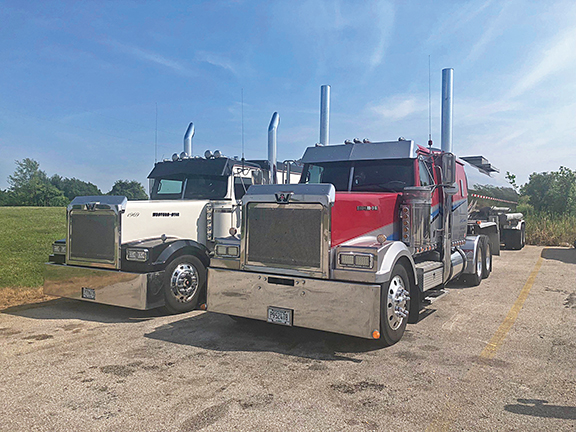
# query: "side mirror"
448,168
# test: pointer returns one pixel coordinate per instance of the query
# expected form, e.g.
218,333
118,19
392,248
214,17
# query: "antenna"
156,137
242,129
429,105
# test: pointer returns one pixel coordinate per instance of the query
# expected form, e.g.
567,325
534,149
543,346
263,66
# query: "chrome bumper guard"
340,307
132,290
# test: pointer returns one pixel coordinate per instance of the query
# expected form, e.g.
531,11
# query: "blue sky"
80,81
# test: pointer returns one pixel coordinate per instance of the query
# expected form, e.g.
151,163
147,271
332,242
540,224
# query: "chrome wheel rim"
396,303
488,260
479,267
184,282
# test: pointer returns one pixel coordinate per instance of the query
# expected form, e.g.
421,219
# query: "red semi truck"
355,247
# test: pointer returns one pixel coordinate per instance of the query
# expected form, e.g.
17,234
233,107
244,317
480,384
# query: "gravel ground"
70,365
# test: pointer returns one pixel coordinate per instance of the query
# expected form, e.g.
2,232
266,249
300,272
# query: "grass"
26,236
546,230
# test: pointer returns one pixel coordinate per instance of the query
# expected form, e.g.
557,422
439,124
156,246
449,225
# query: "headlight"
227,251
137,255
357,260
59,248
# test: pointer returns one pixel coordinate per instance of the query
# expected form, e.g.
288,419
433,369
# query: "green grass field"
26,236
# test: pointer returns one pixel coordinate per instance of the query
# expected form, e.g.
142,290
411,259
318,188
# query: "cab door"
427,177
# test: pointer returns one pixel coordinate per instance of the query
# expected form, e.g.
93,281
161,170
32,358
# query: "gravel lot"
70,365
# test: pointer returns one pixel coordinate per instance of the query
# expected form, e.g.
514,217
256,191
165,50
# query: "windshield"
391,175
192,187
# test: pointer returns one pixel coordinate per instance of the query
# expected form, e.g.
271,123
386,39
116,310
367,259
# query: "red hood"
357,214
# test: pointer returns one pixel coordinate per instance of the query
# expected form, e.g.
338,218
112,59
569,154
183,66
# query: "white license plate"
88,293
280,316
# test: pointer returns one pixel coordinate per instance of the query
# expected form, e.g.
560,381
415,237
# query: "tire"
487,260
475,278
394,306
184,280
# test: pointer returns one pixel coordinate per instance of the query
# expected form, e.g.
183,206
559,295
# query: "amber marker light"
376,334
203,306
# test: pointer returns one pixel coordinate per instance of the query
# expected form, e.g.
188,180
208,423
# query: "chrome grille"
93,238
285,236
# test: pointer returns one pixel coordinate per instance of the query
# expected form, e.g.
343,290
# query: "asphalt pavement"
497,357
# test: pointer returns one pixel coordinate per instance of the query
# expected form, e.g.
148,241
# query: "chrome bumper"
132,290
340,307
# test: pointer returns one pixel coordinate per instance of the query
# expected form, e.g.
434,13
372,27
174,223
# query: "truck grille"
92,237
284,235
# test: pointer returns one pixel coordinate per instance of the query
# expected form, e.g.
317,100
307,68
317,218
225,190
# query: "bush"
550,230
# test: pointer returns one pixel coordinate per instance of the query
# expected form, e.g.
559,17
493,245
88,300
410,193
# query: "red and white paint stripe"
492,199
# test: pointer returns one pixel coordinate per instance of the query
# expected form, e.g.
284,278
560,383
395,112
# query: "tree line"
30,186
552,193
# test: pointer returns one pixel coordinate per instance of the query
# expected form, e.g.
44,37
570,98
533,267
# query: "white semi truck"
154,253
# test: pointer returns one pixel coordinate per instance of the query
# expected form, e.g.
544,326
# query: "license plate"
280,316
88,293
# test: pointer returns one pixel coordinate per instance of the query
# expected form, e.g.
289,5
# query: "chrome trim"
132,290
321,272
188,139
272,132
340,307
146,251
470,250
320,193
94,262
324,114
387,255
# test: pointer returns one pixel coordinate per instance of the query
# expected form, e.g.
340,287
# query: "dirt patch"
10,297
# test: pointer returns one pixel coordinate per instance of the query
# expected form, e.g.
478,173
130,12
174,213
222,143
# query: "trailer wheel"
394,306
487,261
475,278
184,279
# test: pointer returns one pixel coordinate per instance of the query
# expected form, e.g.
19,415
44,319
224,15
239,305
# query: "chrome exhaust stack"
188,139
272,140
447,105
324,114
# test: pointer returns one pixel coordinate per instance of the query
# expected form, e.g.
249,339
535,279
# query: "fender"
470,249
171,250
389,255
161,252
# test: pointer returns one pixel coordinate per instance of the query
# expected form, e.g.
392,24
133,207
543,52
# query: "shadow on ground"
566,255
217,332
539,408
73,309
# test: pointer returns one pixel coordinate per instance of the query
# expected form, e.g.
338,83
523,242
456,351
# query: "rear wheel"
487,261
395,306
184,279
475,278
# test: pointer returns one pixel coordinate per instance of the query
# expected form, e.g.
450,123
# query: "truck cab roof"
401,149
222,166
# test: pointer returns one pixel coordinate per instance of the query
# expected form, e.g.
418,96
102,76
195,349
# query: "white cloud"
400,107
151,56
496,28
558,56
216,60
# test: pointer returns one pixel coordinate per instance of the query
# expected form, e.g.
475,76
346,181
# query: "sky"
100,90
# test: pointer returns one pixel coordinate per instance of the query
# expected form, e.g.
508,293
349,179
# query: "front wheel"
184,279
395,306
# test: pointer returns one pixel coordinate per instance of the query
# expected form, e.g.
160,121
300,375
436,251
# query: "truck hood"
362,216
150,219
